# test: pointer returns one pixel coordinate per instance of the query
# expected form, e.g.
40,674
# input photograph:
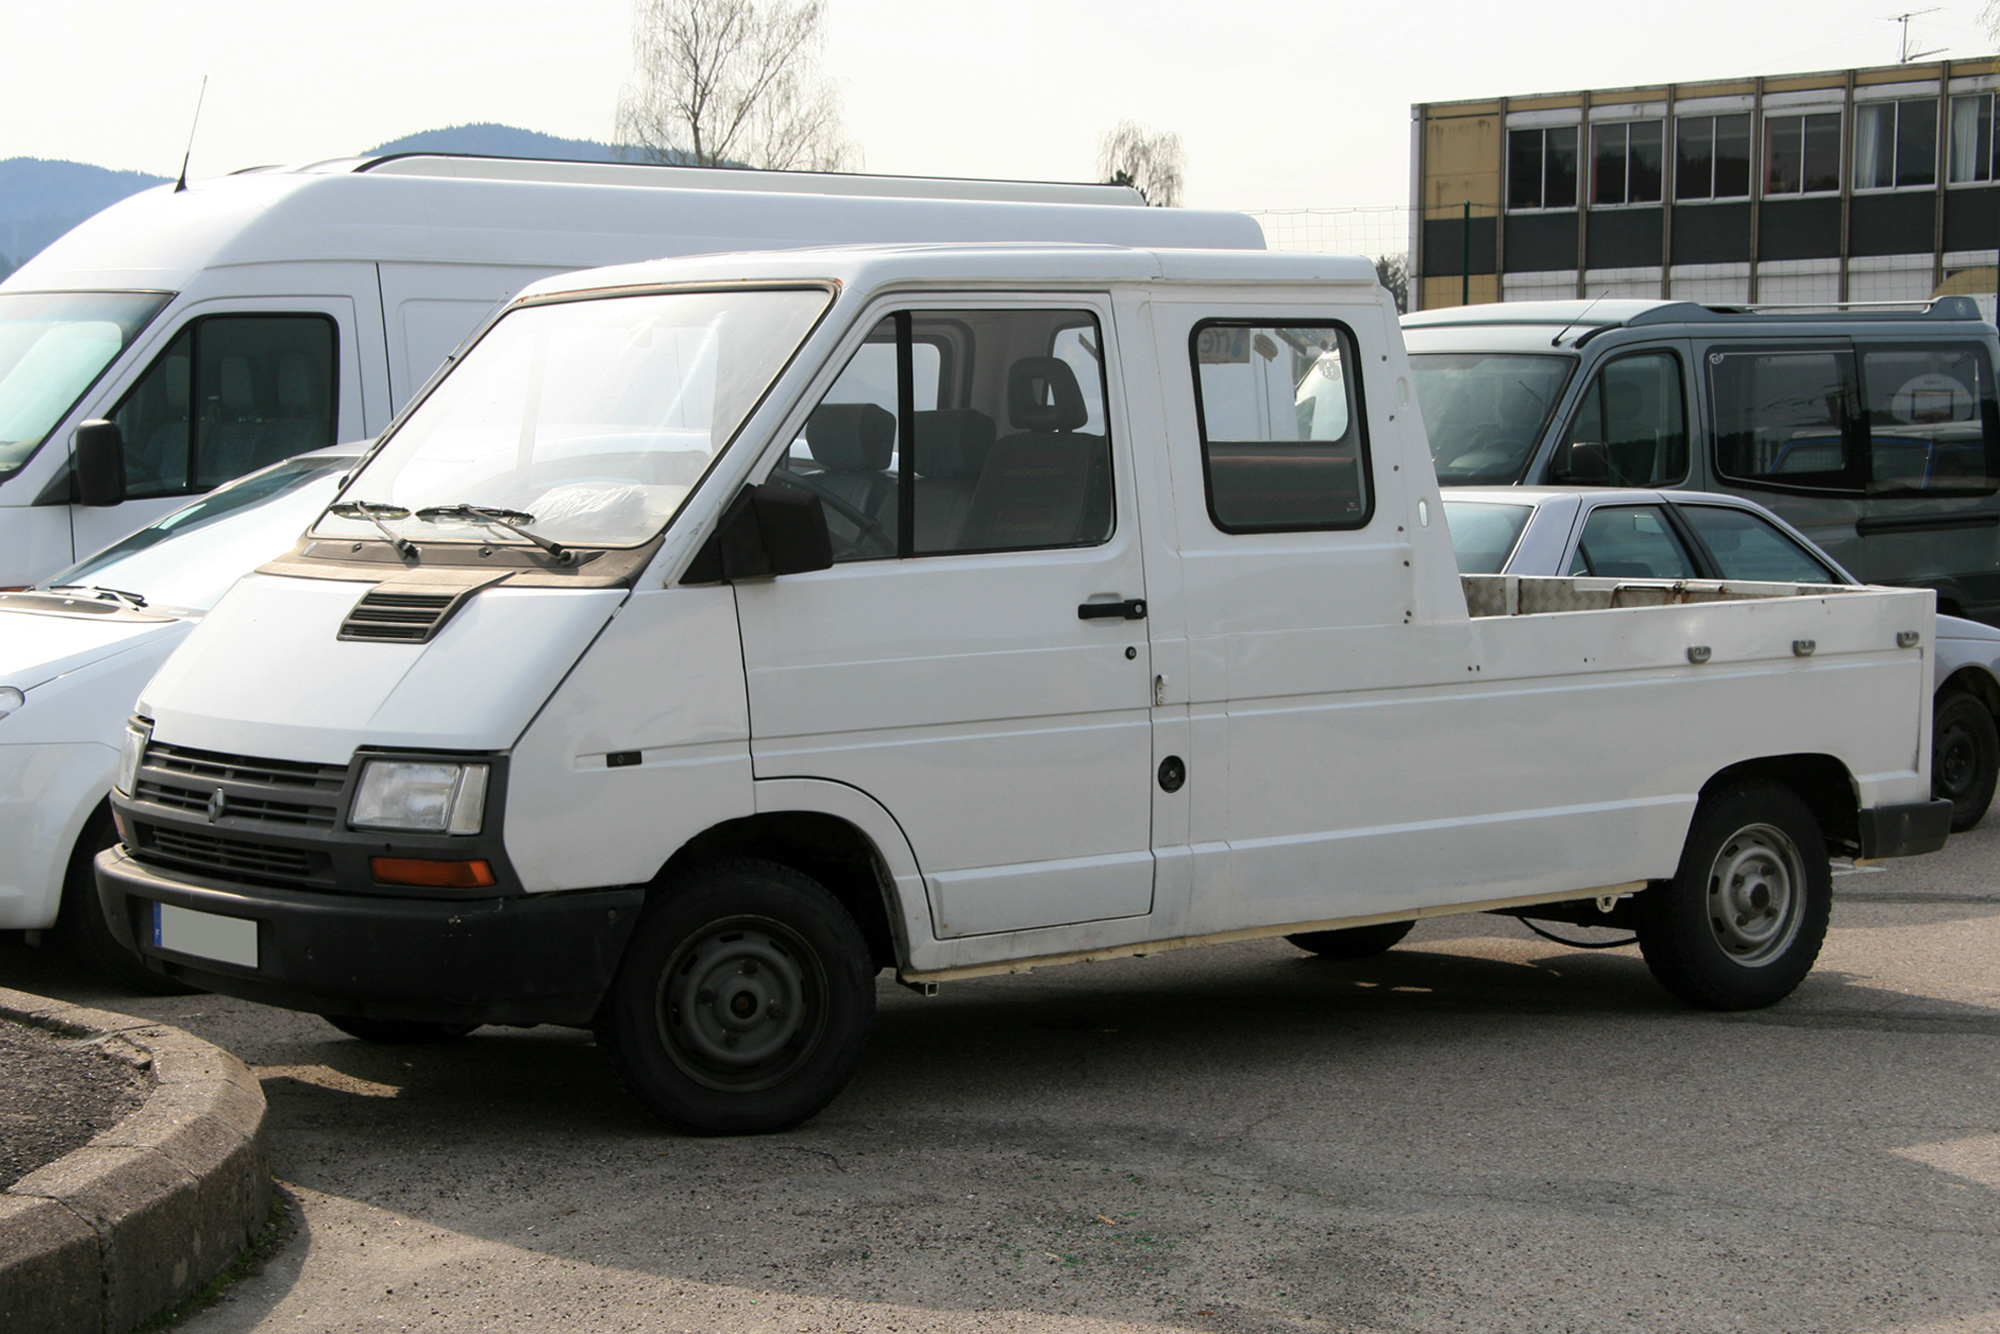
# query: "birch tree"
1154,164
732,83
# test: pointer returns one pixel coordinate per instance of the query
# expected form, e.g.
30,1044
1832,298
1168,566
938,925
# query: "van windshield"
580,422
53,346
1485,411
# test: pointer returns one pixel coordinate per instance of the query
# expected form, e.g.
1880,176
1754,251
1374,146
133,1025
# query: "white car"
74,653
1646,534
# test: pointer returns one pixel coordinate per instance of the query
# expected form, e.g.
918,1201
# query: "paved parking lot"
1480,1131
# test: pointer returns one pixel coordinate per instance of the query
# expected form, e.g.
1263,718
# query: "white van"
717,632
249,318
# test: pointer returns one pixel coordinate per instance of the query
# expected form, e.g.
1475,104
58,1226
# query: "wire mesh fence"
1381,232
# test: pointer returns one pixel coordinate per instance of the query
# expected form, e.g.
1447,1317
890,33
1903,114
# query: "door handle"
1131,609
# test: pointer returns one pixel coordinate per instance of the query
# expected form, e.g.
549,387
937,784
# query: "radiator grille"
229,858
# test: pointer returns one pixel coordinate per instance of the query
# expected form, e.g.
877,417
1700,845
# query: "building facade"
1860,185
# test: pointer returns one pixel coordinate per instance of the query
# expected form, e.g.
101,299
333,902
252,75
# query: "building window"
1712,157
1895,144
1541,168
1802,154
1625,162
1972,139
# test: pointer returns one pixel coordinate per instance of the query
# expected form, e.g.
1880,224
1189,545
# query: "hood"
265,674
1957,627
39,646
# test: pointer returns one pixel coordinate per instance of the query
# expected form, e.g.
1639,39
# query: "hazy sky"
1294,105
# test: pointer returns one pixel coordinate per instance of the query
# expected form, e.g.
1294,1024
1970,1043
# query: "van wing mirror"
99,460
777,528
1584,462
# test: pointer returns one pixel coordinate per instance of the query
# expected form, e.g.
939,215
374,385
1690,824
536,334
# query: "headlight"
10,700
420,796
137,733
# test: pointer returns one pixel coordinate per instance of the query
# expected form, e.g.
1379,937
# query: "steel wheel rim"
1957,761
1756,894
741,1005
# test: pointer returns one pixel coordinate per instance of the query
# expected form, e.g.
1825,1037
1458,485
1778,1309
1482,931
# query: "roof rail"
1931,308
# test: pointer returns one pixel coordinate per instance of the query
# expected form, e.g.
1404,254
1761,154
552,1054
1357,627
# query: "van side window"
1284,446
1006,423
1786,419
1636,409
1931,418
229,394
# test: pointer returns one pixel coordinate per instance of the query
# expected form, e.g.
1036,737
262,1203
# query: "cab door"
976,660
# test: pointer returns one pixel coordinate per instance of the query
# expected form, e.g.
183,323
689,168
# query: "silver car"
1609,532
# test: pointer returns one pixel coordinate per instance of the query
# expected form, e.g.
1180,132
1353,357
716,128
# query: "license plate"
205,935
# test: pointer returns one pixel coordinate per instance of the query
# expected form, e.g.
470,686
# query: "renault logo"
218,805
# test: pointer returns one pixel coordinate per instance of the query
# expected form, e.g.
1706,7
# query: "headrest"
1042,395
953,442
238,393
851,437
297,392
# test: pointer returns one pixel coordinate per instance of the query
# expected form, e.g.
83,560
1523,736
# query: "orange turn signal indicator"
431,872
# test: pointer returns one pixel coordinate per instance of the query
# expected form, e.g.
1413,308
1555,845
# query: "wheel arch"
1821,781
1977,682
842,839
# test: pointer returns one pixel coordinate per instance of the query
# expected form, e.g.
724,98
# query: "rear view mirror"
99,460
777,528
1584,462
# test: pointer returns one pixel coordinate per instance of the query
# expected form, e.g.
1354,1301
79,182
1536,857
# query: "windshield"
1483,536
583,422
191,557
53,346
1485,411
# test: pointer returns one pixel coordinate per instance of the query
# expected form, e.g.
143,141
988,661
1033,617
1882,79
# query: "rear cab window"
1284,439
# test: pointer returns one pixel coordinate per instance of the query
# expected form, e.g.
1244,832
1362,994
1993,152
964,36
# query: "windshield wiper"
119,594
511,520
374,511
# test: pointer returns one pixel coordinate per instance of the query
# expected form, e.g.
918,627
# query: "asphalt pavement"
55,1093
1480,1131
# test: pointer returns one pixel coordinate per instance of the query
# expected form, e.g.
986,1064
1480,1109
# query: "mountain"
493,140
41,200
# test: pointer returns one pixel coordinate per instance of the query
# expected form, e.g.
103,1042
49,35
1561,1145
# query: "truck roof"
973,264
440,209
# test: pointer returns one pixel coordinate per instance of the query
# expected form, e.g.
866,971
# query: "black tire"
1354,942
398,1032
743,1003
81,925
1965,756
1741,922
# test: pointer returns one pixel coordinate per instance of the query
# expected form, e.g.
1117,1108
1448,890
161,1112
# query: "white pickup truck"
719,632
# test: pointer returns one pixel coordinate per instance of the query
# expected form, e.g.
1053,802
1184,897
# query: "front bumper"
502,959
1904,831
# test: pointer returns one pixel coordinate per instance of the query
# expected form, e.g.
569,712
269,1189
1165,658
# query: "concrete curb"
152,1208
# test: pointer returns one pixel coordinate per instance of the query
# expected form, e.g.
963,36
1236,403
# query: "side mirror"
777,528
100,464
1585,463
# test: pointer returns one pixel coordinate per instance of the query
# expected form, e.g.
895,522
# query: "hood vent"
410,610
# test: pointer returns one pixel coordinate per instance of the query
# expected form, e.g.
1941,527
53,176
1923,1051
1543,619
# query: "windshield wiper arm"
130,599
511,520
374,511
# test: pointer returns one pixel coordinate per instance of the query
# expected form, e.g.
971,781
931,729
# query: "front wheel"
1965,757
81,925
1741,922
743,1003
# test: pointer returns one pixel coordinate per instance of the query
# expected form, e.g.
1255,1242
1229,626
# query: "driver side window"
1636,413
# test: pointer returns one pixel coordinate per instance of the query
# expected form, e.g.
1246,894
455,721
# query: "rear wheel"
1354,942
1965,757
744,1000
1741,922
81,923
398,1031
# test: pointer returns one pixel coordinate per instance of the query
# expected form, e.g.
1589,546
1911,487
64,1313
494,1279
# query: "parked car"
248,318
1874,431
578,709
74,652
1634,533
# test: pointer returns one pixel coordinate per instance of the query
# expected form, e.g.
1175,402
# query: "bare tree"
732,83
1154,164
1393,272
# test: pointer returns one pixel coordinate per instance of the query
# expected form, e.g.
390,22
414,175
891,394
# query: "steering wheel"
868,527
